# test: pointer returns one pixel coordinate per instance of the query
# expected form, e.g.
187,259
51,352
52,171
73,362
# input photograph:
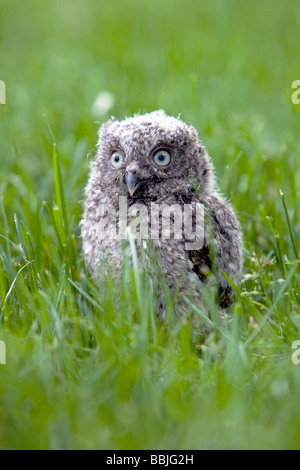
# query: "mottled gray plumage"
125,165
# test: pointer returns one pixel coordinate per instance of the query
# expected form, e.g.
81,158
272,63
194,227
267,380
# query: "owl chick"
155,160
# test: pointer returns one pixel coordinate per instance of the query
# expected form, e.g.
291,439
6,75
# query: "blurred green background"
226,68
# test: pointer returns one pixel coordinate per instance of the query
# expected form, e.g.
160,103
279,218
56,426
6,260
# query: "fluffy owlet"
156,166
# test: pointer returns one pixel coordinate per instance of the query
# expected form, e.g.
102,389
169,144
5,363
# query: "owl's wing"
224,249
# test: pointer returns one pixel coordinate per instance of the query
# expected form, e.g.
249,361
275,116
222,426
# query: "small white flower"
103,104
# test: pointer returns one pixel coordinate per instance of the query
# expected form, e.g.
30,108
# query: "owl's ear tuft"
193,133
106,125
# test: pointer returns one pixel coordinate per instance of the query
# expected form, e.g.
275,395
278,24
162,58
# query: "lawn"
90,369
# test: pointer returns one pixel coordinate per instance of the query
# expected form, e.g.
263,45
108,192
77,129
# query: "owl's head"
151,151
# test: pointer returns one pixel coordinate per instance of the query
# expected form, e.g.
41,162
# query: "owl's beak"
132,182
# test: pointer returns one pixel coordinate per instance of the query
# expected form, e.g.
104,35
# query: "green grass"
94,369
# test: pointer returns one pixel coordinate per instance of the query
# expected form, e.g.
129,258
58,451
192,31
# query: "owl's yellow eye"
162,158
116,159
